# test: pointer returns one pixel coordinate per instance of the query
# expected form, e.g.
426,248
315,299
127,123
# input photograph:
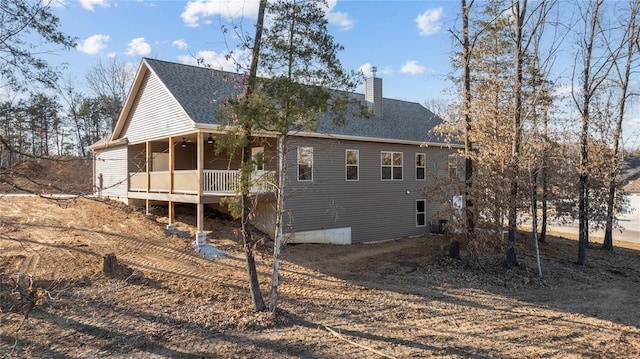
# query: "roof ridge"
200,67
200,95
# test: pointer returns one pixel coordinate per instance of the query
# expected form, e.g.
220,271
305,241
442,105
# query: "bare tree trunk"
517,128
631,38
248,244
468,163
279,213
534,214
282,145
254,284
583,239
608,229
545,182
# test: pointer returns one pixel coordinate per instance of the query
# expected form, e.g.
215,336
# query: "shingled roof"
200,91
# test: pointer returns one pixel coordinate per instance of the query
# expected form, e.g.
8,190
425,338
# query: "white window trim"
298,164
423,167
425,213
392,166
346,165
452,159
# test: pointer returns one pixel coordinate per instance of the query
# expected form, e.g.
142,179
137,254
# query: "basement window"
421,213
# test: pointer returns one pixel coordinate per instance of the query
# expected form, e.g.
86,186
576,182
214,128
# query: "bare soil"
47,175
401,299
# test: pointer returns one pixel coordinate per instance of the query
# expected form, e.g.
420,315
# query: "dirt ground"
397,299
45,175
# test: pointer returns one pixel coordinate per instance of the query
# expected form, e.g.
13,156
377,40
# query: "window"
421,168
305,163
421,213
453,166
391,165
352,159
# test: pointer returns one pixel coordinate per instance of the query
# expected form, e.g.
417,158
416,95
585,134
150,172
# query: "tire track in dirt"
166,259
29,264
130,248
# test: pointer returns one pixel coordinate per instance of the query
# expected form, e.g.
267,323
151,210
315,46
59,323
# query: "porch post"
200,160
172,164
201,236
148,168
171,227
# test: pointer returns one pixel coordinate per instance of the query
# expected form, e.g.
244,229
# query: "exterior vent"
373,93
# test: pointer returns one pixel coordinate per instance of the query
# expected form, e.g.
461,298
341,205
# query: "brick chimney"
373,93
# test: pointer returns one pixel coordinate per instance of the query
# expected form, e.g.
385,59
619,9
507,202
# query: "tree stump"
110,265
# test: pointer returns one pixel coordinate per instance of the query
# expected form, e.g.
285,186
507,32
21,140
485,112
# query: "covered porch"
189,168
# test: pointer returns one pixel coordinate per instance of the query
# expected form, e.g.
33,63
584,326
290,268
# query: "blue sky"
406,40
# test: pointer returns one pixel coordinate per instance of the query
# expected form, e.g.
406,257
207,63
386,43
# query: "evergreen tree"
26,26
303,78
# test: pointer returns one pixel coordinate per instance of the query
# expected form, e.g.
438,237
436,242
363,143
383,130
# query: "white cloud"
412,67
112,55
429,21
229,9
216,60
366,70
341,19
90,4
338,18
138,47
180,43
197,12
93,44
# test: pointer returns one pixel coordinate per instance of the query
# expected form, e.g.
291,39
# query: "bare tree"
484,48
519,12
466,110
594,72
73,100
110,83
630,38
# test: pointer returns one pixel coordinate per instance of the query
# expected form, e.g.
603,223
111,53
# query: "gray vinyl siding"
112,164
155,113
374,209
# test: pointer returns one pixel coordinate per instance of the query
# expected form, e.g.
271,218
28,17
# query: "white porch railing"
219,181
213,181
